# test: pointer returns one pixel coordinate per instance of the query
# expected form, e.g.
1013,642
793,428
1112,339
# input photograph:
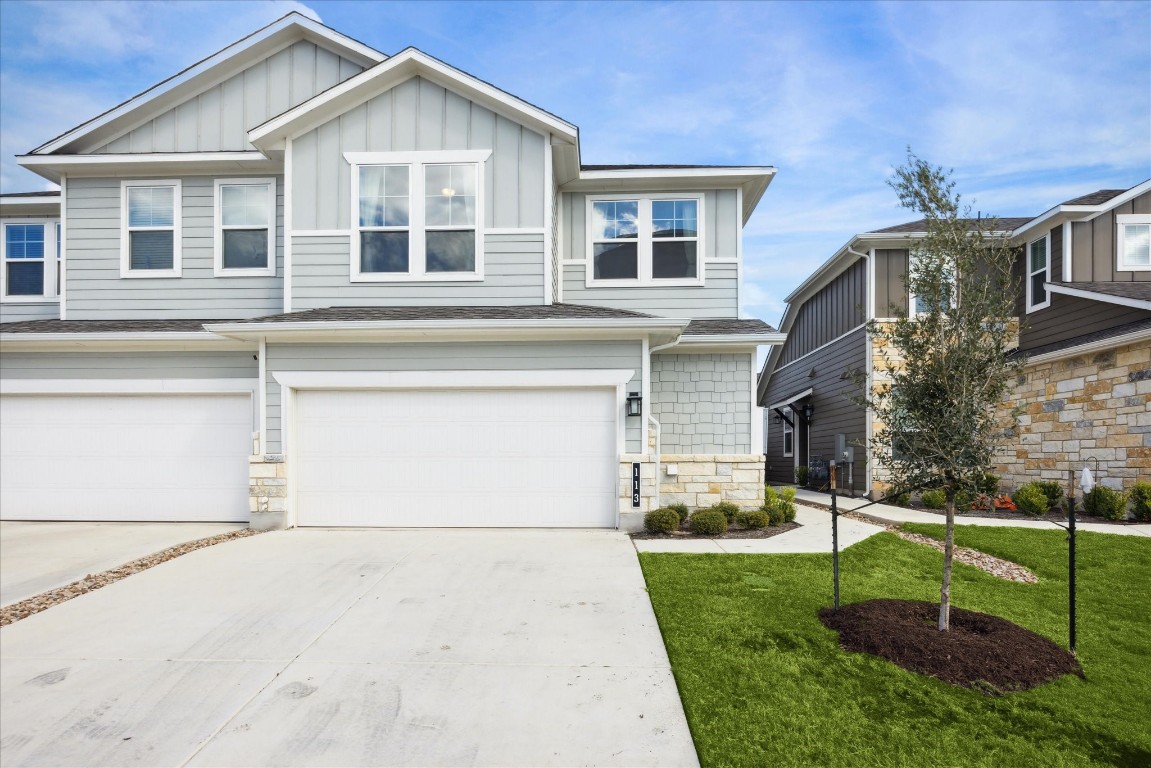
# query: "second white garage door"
456,458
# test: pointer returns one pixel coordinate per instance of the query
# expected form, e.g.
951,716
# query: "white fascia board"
405,65
52,167
459,379
1093,346
190,341
794,398
736,339
293,25
1122,301
29,200
1061,213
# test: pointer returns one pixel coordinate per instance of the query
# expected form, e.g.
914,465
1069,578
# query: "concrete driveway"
353,647
36,557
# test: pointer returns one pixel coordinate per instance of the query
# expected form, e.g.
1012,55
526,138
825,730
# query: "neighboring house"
1085,307
304,283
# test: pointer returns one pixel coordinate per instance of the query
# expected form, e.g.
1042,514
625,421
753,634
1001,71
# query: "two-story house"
1085,312
305,283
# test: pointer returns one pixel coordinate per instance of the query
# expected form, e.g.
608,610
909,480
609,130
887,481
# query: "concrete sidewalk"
812,537
36,556
896,515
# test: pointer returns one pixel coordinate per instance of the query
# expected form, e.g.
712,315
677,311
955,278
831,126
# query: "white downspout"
648,352
868,368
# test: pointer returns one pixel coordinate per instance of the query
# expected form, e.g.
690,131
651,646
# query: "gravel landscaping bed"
733,532
1052,516
45,600
987,653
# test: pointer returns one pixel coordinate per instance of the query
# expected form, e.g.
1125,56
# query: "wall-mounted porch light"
808,411
634,404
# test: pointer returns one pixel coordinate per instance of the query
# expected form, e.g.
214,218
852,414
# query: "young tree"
948,367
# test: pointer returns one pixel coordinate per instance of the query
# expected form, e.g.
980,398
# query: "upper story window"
1038,273
245,234
150,236
417,216
1133,242
29,252
652,240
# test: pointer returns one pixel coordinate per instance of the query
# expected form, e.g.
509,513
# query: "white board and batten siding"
510,356
456,458
97,292
717,297
219,118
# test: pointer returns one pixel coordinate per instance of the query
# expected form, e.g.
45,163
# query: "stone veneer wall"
1094,406
702,402
702,479
268,491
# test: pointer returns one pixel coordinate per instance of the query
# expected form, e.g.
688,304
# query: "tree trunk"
948,550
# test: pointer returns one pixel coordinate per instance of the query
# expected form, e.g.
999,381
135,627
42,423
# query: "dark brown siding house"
1085,311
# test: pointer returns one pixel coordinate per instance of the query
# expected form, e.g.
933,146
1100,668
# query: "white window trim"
1029,273
644,242
177,229
51,290
788,429
416,254
1122,220
218,268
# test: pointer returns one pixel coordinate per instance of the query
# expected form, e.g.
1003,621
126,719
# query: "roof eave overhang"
1144,334
1062,213
39,205
274,134
54,167
158,340
656,329
751,180
1122,301
731,339
206,73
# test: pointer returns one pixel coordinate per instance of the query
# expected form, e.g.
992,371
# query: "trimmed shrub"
801,475
1031,500
1052,490
775,514
1141,501
729,510
754,519
788,494
989,484
708,522
662,520
934,499
1106,502
679,509
964,500
901,499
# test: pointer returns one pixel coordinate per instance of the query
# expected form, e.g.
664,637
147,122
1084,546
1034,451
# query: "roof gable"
202,77
272,135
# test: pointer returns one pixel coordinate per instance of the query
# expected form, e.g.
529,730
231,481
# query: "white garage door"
457,458
125,457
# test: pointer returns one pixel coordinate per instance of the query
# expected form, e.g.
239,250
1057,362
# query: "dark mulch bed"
987,653
733,532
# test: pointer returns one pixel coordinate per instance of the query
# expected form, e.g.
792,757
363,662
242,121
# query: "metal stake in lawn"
834,531
1087,482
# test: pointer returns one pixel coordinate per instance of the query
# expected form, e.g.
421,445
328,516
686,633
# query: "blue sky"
1030,103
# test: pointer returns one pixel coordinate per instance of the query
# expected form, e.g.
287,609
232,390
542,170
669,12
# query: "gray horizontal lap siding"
219,118
718,297
1094,257
835,413
97,292
129,365
513,274
1069,317
702,402
575,355
418,115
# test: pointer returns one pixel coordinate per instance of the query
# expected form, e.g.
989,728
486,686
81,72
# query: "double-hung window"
245,235
1038,273
150,228
417,216
653,240
1133,242
29,252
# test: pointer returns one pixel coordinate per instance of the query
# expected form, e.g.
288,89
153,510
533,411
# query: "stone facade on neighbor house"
1090,408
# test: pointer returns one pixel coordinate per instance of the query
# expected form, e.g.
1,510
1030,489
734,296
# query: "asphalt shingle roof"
402,314
920,225
726,326
45,193
1095,198
105,326
1140,291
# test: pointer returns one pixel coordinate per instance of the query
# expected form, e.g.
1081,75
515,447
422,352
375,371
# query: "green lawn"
765,684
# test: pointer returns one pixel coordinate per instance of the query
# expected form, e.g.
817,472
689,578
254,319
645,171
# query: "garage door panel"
137,457
457,458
